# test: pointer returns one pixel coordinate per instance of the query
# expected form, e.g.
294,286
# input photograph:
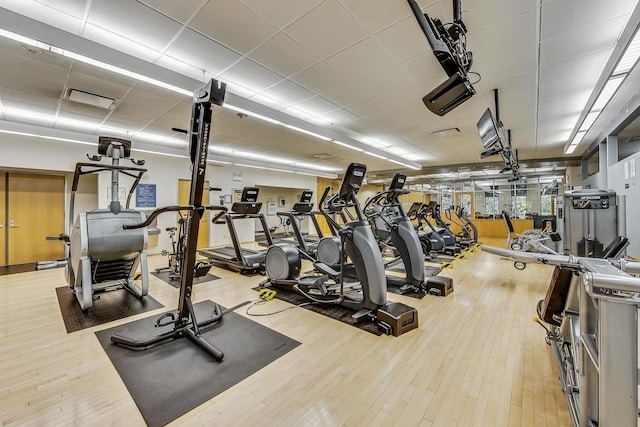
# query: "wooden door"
184,187
35,211
3,219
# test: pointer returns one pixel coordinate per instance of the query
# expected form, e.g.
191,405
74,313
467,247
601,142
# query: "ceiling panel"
376,15
361,59
566,16
282,13
238,28
62,16
404,40
320,77
135,21
123,44
97,86
283,55
348,94
287,92
201,52
179,10
312,30
251,75
582,41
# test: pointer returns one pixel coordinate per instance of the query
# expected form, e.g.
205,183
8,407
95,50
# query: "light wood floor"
477,359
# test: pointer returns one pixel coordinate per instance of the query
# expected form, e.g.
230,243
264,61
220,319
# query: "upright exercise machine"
185,323
237,258
101,254
358,243
394,229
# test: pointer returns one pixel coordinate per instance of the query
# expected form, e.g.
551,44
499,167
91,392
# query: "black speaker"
453,92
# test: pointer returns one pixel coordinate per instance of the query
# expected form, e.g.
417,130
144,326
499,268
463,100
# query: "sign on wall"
146,196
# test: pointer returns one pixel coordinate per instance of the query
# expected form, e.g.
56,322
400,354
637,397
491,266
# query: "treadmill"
236,258
303,209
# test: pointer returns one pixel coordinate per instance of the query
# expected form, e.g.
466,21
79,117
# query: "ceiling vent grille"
447,133
92,99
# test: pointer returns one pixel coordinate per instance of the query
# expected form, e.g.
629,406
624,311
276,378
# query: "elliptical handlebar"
177,208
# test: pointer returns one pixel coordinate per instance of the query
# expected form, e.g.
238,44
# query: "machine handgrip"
176,208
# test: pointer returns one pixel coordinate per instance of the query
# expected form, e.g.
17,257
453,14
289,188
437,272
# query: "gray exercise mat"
165,277
169,380
110,306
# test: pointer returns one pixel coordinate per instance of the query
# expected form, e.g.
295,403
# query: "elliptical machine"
394,230
101,254
176,256
357,242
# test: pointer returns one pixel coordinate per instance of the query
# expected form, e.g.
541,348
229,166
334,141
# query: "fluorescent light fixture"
607,92
570,149
122,71
404,164
252,114
589,120
54,138
308,132
578,137
343,144
630,57
375,155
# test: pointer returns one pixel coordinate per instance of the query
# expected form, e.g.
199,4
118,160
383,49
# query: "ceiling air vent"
92,99
446,133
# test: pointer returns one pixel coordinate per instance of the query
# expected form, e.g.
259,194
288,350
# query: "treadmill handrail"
176,208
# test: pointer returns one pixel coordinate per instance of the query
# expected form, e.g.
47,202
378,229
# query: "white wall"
618,181
21,152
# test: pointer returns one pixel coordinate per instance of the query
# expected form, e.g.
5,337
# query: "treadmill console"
248,204
397,183
352,180
304,205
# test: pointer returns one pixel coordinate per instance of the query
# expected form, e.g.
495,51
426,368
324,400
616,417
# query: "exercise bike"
176,256
357,242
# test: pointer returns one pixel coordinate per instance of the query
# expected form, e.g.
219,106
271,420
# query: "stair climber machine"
237,258
590,314
440,241
468,234
357,243
184,321
417,213
394,231
101,256
443,228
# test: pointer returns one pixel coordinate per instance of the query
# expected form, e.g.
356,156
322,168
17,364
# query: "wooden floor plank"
476,359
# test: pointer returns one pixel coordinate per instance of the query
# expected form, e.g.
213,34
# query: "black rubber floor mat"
429,271
169,380
333,311
110,306
164,276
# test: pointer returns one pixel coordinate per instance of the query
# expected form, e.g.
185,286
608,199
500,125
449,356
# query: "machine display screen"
591,202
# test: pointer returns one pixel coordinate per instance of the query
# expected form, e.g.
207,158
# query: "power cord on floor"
267,295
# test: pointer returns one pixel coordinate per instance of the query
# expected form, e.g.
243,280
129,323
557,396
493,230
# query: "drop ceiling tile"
29,74
362,59
59,17
251,75
404,40
317,106
567,16
339,117
423,67
376,15
392,75
181,67
133,121
582,41
327,29
189,45
348,94
178,10
146,103
283,55
320,77
134,21
33,98
71,7
286,93
115,41
97,86
238,28
83,109
281,13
